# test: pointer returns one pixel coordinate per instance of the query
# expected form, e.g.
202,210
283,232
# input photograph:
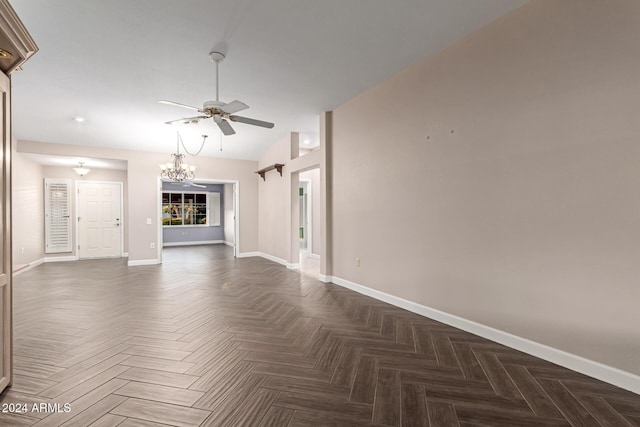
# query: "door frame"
308,188
236,212
6,272
77,208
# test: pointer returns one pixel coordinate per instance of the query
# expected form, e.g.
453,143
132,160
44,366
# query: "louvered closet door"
214,209
57,200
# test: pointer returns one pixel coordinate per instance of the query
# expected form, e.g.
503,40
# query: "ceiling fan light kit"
220,112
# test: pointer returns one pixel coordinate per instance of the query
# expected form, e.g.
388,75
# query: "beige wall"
28,210
274,201
503,184
142,200
279,199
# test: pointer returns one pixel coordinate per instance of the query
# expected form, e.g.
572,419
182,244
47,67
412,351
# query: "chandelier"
177,170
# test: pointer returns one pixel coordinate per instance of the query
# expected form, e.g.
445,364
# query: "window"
57,213
190,209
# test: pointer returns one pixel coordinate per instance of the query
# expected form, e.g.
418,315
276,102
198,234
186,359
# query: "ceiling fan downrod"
217,58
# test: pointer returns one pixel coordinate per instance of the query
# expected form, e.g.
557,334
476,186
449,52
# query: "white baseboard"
290,266
36,263
325,279
125,254
60,258
594,369
247,254
270,258
313,256
273,258
31,265
200,242
229,243
139,262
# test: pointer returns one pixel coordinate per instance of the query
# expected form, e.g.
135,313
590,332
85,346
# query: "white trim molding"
280,261
609,374
16,38
196,243
273,258
27,267
313,256
325,279
60,258
125,254
140,262
229,243
248,254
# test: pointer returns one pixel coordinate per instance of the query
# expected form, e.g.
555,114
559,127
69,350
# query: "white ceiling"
110,61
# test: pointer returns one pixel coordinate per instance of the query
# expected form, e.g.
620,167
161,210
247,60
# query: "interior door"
99,219
5,232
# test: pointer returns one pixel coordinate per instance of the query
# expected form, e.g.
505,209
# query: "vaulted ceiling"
111,61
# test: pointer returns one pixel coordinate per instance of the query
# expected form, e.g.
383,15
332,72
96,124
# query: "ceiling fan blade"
177,104
234,107
249,121
224,125
186,120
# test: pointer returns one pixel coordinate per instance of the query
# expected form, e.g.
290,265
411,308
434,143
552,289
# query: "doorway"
309,220
305,201
174,229
100,216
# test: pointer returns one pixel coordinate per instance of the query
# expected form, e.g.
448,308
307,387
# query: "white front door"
99,219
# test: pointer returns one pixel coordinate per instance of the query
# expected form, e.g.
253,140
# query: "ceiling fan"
220,112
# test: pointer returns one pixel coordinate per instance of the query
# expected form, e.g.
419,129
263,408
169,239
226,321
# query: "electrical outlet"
357,262
152,245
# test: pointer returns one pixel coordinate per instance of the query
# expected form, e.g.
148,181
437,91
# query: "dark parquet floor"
206,339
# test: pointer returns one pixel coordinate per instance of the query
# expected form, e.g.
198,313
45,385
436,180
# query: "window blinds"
57,215
214,209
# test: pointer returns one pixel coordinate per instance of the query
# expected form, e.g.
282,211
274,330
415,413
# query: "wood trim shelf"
276,166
